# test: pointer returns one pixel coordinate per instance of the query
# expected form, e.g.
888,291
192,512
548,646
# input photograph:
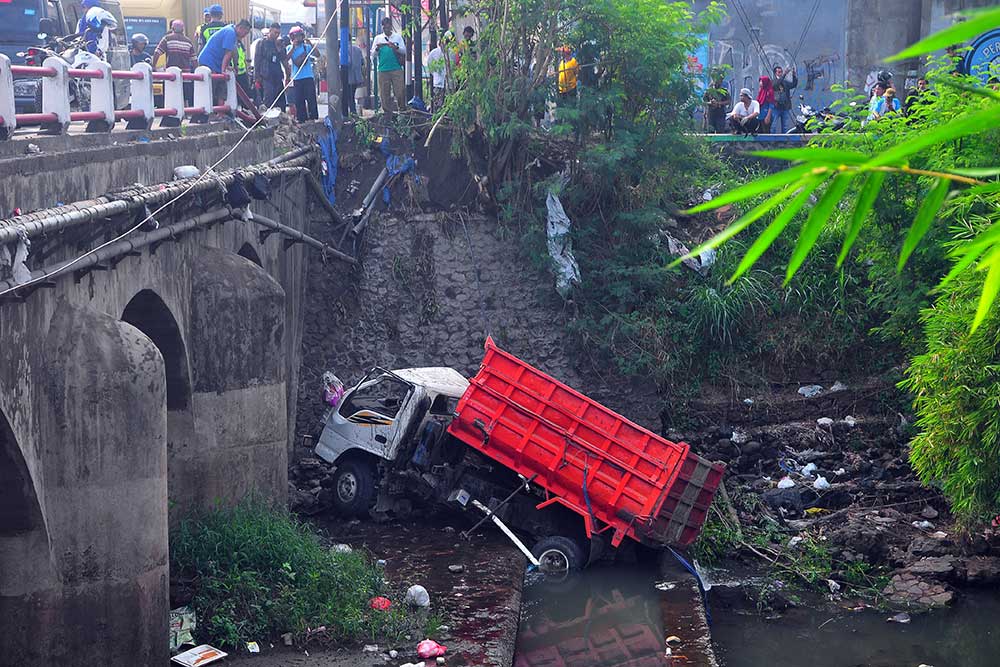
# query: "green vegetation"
258,572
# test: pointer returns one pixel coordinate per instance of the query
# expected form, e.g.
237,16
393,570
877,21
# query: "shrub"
258,572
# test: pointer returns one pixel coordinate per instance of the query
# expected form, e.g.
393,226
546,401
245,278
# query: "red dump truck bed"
621,478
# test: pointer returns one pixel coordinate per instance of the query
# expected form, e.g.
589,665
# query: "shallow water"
965,635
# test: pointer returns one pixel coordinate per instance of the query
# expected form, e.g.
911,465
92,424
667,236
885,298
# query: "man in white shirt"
436,66
388,56
745,116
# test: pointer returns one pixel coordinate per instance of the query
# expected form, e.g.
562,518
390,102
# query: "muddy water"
607,616
967,635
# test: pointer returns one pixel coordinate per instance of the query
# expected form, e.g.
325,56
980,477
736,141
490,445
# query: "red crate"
580,450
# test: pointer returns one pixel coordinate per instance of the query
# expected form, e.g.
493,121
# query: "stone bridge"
151,380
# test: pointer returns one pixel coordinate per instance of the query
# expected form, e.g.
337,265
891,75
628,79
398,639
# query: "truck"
559,468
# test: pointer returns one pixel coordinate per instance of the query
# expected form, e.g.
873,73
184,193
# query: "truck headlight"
25,87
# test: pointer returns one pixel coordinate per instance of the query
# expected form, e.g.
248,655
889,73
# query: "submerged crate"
621,478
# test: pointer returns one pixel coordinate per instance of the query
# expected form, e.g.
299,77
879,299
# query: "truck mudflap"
622,479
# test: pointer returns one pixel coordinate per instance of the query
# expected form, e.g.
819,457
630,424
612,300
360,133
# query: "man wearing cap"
270,67
214,24
179,52
388,55
745,116
301,55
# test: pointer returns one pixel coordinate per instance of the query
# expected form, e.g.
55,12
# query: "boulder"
909,591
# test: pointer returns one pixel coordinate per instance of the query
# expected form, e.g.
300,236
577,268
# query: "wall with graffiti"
759,35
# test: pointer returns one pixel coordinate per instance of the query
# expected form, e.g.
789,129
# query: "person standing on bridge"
300,53
270,68
179,51
388,55
784,84
215,24
220,53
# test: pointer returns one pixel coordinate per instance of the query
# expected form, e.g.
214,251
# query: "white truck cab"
381,419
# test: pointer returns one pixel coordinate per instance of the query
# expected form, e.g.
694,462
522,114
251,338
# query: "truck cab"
389,421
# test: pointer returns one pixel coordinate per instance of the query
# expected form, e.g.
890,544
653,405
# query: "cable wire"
205,174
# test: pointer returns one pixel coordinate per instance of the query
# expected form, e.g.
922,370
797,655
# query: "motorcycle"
808,120
71,50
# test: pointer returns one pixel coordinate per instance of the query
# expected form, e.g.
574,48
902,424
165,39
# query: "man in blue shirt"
220,51
300,53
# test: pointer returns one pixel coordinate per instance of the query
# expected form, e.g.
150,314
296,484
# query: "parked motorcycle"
808,120
69,49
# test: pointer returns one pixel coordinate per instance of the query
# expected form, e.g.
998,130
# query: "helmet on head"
885,76
139,38
215,10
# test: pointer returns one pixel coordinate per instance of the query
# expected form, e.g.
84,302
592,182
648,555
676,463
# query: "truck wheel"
354,488
558,555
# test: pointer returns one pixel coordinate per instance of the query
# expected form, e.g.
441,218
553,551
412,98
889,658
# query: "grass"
258,572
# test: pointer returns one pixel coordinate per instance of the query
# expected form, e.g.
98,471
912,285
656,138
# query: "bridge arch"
149,314
247,251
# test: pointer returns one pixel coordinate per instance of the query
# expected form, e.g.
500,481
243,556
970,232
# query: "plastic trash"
810,390
253,647
199,655
370,648
429,648
785,483
899,618
794,542
673,640
825,422
440,660
833,586
923,525
560,246
341,548
850,421
393,654
747,401
740,437
838,386
182,625
821,484
186,171
839,471
809,470
417,596
380,603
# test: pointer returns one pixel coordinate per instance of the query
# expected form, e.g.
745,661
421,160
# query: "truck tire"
354,485
559,555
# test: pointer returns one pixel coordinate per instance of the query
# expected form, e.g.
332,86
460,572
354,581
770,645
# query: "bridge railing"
57,112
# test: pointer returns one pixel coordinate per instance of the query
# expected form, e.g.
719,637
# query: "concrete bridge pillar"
238,401
100,399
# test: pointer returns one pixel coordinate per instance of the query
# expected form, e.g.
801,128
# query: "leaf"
990,289
814,223
866,199
986,119
738,226
960,32
771,232
754,188
824,155
969,252
925,216
983,172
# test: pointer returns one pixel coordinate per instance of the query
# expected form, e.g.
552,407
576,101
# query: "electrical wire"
205,174
744,17
805,31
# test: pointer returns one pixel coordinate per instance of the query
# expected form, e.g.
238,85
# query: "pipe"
48,220
290,155
124,246
299,236
379,182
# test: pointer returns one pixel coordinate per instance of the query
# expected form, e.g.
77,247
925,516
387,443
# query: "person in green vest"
206,30
242,73
388,56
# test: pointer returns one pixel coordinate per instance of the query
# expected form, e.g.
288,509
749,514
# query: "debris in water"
902,617
810,390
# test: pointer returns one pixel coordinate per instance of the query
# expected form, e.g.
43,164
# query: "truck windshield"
19,19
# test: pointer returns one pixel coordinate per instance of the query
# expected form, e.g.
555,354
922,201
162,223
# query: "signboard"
983,59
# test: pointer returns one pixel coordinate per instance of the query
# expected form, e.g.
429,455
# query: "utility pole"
333,86
443,15
345,56
418,64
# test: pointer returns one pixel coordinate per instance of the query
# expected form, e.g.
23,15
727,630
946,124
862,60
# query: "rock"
751,448
810,390
417,596
929,512
794,499
456,569
926,546
982,570
908,590
938,567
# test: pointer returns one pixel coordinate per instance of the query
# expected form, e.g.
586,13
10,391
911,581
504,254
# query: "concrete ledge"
684,615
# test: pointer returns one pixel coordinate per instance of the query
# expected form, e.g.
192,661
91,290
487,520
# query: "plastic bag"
429,648
333,389
380,603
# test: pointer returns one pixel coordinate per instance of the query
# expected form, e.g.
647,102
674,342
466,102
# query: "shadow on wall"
147,313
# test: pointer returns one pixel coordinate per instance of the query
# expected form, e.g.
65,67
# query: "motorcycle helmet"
885,76
139,38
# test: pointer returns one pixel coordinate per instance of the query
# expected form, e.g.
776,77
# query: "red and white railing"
56,114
